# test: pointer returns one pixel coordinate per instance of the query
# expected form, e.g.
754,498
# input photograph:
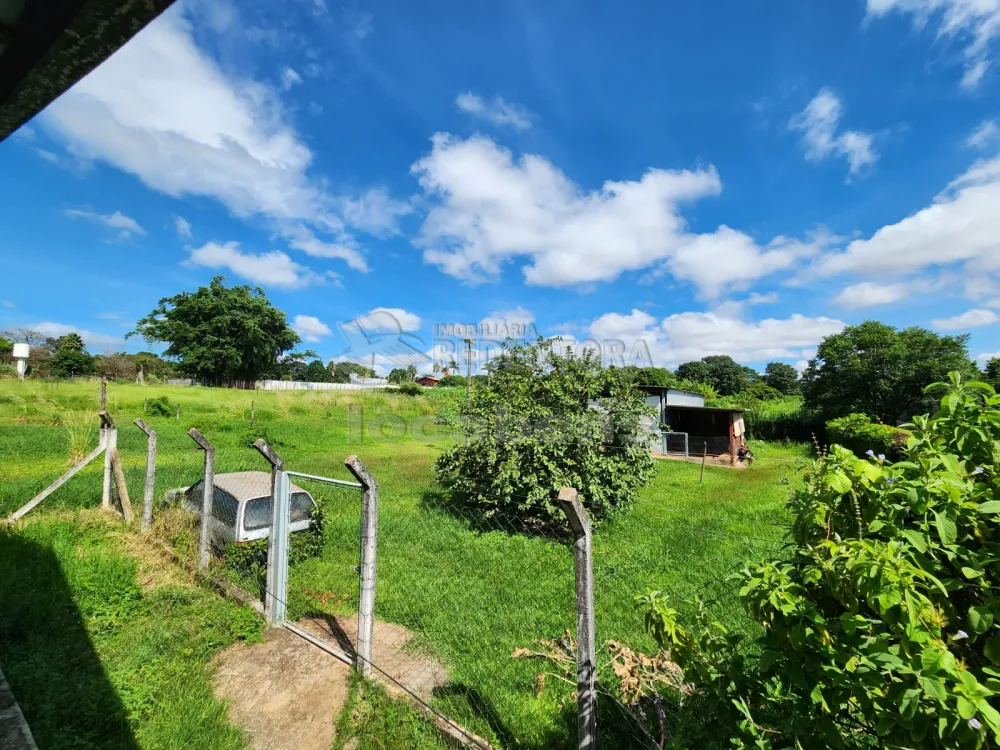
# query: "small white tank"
21,351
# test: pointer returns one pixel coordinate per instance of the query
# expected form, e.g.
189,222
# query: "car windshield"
258,512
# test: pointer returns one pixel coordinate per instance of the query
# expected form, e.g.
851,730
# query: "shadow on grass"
48,657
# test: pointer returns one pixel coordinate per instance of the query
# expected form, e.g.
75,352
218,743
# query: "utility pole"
468,372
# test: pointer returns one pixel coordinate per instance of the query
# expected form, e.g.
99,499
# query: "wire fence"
475,614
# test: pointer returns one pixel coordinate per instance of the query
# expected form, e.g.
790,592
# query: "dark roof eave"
55,44
708,408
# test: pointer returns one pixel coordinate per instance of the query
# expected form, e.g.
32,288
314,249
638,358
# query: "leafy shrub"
545,421
859,434
881,623
409,388
452,381
160,406
7,370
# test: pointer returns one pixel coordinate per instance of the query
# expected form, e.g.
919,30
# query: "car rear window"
258,513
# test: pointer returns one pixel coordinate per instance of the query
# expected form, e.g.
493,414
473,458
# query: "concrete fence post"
276,589
109,439
208,494
586,659
369,549
147,491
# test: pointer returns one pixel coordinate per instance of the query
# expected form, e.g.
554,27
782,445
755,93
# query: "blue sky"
703,177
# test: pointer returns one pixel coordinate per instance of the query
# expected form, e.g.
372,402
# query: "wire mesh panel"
180,470
692,559
34,456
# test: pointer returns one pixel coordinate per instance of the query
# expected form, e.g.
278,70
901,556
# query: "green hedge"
858,433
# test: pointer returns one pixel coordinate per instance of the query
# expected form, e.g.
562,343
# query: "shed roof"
659,388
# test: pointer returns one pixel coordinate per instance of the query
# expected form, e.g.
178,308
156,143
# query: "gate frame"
278,548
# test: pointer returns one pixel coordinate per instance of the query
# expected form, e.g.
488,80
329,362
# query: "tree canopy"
782,377
71,358
220,334
876,370
403,374
726,376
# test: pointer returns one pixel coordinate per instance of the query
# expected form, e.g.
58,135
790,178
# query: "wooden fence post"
207,495
276,591
147,492
369,549
586,659
704,457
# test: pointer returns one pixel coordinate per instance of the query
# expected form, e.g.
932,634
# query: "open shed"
692,428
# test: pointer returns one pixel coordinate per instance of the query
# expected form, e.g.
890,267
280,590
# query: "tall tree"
874,369
991,372
316,372
782,377
71,358
698,372
220,334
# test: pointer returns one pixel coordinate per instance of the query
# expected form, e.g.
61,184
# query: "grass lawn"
471,591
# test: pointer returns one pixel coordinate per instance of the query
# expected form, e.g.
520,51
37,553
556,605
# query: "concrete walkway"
14,732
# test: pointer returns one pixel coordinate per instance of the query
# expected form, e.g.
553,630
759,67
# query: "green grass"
97,662
470,590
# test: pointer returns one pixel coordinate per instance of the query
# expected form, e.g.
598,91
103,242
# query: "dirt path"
287,693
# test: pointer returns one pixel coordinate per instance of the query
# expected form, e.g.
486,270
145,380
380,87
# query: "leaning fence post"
207,495
276,590
369,547
109,439
147,492
586,691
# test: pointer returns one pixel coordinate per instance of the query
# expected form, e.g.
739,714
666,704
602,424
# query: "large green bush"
858,433
452,381
545,421
881,624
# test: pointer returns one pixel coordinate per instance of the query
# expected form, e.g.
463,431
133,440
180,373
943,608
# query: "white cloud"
127,226
375,211
968,319
975,22
688,336
392,319
289,78
272,268
985,135
762,299
90,338
987,356
7,303
819,123
516,316
488,209
498,111
961,226
616,325
163,110
868,294
301,238
310,328
183,227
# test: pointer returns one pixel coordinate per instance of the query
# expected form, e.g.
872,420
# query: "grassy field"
470,590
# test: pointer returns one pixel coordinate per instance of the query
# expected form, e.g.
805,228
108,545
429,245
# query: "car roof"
247,485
